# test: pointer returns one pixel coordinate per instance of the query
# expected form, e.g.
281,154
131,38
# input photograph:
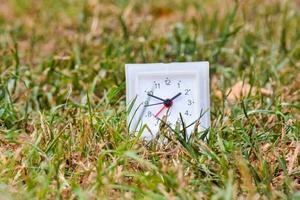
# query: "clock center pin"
168,103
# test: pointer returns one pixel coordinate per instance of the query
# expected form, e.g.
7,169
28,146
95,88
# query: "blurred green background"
62,99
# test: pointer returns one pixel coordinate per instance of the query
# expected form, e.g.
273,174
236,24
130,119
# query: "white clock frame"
200,69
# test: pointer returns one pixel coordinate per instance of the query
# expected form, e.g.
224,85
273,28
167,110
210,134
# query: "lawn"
63,131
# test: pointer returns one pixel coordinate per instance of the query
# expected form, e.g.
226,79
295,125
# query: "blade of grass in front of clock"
129,110
140,117
184,132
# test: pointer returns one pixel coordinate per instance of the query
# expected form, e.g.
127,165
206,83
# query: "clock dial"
167,95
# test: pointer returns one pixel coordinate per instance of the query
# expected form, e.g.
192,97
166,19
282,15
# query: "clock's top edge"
180,63
203,65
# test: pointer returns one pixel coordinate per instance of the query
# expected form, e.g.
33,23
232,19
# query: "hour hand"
177,95
151,95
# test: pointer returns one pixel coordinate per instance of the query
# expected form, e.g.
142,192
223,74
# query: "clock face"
167,95
164,91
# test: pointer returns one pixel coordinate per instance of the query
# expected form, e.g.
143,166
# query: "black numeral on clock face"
148,114
187,91
156,85
157,122
149,92
179,84
168,81
187,113
190,102
146,103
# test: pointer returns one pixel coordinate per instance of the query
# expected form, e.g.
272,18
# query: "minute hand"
156,97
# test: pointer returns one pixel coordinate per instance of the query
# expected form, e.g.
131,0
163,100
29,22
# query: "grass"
63,128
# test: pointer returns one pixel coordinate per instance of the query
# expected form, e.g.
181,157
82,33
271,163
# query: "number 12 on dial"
167,90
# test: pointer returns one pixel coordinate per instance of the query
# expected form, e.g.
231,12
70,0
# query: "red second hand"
167,104
160,110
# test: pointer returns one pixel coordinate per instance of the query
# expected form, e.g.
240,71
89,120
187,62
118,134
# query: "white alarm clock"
164,91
